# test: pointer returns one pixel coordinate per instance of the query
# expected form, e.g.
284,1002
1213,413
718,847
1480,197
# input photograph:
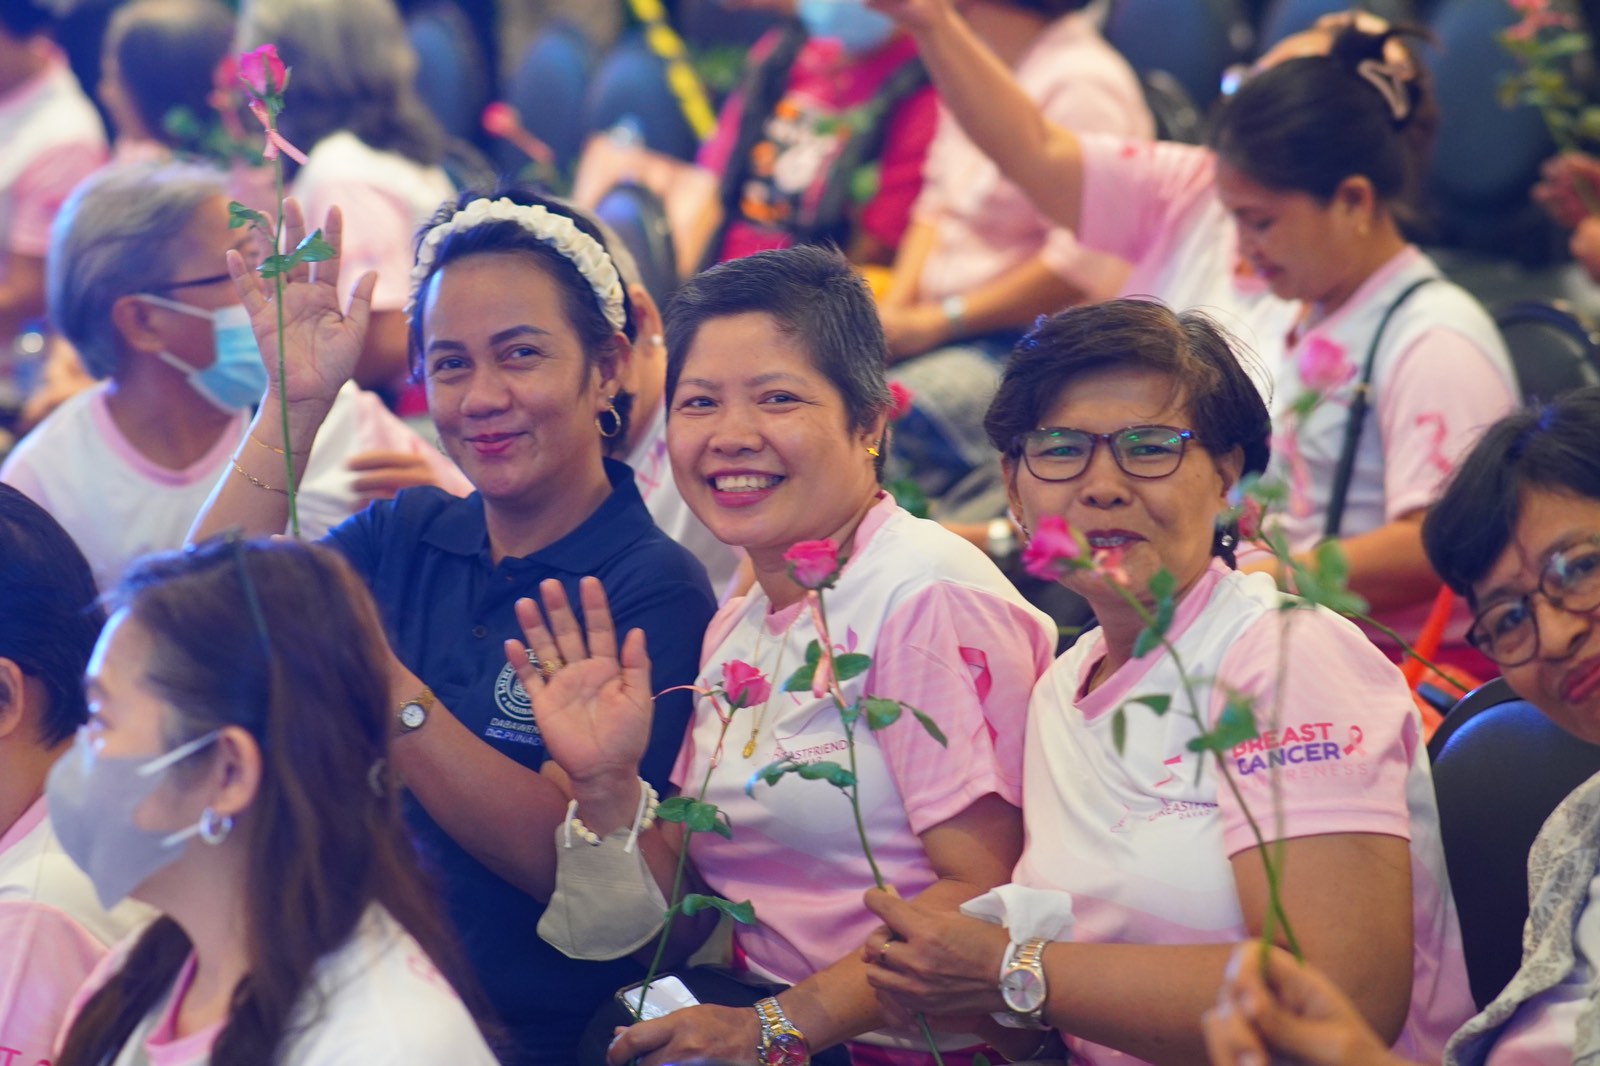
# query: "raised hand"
321,342
593,707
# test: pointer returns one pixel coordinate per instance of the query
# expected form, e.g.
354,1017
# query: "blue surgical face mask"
91,798
237,378
856,27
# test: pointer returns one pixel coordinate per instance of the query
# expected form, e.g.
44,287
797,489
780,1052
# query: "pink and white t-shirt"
986,225
378,998
1442,376
118,505
1152,203
1143,844
949,635
652,472
53,932
53,140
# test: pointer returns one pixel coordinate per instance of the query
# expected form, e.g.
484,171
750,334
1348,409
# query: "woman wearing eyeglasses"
1132,423
1517,533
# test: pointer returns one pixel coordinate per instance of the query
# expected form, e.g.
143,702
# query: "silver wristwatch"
1022,986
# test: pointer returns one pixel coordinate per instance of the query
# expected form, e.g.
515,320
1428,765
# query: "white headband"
558,231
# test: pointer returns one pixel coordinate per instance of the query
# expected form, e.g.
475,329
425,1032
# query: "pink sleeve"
37,193
46,958
905,150
968,660
1134,191
1346,735
1442,393
378,430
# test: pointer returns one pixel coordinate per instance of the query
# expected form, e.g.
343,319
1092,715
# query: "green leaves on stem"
697,816
692,904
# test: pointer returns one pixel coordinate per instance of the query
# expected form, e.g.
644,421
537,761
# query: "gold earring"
616,419
872,450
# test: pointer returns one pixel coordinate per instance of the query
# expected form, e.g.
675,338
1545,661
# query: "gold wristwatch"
781,1043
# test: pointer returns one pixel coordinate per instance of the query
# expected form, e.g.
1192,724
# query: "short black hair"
1551,446
1225,405
50,615
815,296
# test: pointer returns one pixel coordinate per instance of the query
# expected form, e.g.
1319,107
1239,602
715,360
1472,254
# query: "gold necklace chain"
774,680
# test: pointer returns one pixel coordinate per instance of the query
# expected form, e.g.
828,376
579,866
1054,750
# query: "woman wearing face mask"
52,929
139,285
234,775
1132,424
1308,174
519,328
1517,533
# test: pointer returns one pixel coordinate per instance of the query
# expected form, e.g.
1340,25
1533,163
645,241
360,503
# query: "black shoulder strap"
1358,418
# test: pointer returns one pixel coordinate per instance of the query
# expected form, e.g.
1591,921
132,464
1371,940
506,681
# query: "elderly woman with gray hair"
373,147
138,283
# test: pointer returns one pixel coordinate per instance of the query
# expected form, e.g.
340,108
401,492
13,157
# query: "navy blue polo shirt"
448,611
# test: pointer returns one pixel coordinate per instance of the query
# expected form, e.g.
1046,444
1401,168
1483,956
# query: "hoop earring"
616,419
214,830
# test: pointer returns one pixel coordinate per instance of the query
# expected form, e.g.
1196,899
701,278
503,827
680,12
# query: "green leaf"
1119,730
273,265
1235,725
240,215
703,818
813,653
881,713
1146,642
831,772
771,773
800,680
1159,702
1163,586
313,249
674,809
851,664
930,727
744,913
850,715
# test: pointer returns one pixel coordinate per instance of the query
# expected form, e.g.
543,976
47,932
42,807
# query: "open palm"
321,343
593,706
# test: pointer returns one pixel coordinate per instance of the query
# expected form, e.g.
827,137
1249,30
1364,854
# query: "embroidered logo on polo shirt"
511,700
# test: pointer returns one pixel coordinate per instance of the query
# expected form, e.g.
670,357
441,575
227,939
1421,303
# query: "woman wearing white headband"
518,328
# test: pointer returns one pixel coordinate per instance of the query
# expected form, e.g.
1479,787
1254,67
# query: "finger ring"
548,669
883,953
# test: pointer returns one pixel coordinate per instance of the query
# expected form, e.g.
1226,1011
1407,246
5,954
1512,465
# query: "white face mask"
237,378
91,798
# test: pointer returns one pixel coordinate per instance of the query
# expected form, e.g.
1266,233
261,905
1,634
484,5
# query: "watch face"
785,1049
412,715
1023,991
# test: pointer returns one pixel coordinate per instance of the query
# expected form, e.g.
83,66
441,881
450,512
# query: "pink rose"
1249,518
499,120
262,71
902,398
744,684
814,564
1052,549
1324,365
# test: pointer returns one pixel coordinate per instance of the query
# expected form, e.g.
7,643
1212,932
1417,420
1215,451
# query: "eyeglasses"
1060,454
1508,632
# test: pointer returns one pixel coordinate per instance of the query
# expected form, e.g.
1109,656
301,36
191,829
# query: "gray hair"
353,68
122,231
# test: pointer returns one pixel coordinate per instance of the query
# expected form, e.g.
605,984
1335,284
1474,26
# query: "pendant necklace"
775,679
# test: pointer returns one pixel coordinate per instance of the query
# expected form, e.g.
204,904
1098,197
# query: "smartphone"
667,994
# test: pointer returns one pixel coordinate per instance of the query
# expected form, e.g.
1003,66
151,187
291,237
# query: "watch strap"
1028,956
425,700
781,1044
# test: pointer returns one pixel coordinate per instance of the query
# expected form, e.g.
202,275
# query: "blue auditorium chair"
548,88
1193,40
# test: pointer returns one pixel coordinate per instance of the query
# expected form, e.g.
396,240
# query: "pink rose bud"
1324,366
1250,518
499,119
744,684
262,71
814,564
902,398
1052,549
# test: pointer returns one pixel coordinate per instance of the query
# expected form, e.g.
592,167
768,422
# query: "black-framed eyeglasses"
1056,453
192,283
1508,631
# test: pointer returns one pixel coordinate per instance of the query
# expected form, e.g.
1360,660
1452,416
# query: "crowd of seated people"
405,659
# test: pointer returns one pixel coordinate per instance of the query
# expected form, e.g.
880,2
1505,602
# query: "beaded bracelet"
643,819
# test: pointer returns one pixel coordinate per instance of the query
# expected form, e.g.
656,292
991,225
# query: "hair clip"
1393,81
